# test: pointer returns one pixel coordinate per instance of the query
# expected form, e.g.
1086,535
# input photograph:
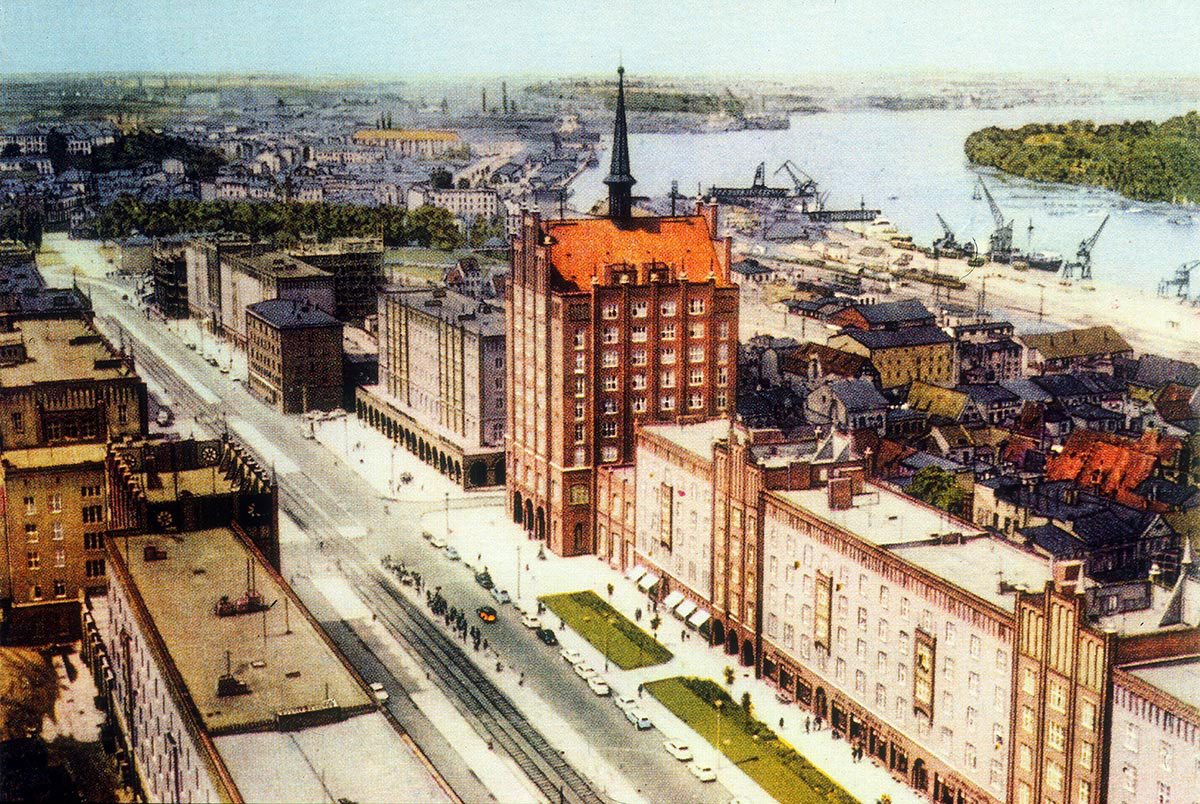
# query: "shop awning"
647,582
698,619
685,608
636,573
673,599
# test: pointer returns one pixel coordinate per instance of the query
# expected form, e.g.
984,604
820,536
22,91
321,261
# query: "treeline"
285,223
131,150
1142,160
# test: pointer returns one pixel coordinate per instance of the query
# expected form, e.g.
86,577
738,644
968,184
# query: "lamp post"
447,515
607,632
718,704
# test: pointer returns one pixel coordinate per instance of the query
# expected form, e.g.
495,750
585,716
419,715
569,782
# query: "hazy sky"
460,37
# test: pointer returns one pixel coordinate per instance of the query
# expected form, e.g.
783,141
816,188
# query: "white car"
571,656
703,771
437,541
381,694
531,621
624,702
599,685
500,595
638,718
453,555
584,670
679,749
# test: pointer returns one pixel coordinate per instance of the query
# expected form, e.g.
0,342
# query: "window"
608,454
1029,681
860,681
950,630
1054,776
973,683
610,310
695,306
1027,719
695,354
695,401
1164,793
1129,778
881,663
696,329
35,592
666,379
608,429
579,434
722,400
579,495
839,670
94,568
1132,735
666,403
1025,757
60,557
862,619
56,503
723,330
667,355
638,309
612,335
723,353
1057,697
1086,754
638,382
580,456
93,541
722,376
122,414
947,704
638,335
60,589
696,377
1001,659
860,650
89,491
579,412
35,561
639,357
668,332
580,386
841,637
611,358
612,382
948,669
18,423
31,532
880,696
1056,736
1087,715
667,309
639,404
30,506
610,406
903,607
883,632
902,673
969,756
580,362
57,530
972,713
976,646
1024,793
1166,756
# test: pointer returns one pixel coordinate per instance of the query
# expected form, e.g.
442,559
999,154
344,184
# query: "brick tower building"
611,321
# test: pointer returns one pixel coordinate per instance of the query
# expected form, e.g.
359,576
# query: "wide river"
911,165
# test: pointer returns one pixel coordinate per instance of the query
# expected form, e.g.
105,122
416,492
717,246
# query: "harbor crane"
1000,242
1180,283
1083,255
948,244
806,185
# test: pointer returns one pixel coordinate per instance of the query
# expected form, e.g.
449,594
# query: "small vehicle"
679,749
212,361
532,621
599,685
191,346
453,555
547,636
638,718
486,613
500,595
703,771
426,535
625,702
571,656
381,694
437,541
584,670
406,477
484,580
164,417
224,369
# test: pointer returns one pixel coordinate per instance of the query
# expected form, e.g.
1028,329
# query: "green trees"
938,487
1143,160
433,227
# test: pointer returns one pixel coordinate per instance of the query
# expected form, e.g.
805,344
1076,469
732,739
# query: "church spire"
619,180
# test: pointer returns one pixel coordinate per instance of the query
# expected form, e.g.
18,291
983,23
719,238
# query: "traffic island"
748,743
609,631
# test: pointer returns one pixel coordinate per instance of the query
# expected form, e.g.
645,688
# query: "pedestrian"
780,723
807,725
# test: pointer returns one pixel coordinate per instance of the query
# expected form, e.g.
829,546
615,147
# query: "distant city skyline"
421,38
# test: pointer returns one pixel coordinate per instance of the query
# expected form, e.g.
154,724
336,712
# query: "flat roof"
62,350
881,516
1179,678
204,481
696,438
279,264
979,565
180,593
65,455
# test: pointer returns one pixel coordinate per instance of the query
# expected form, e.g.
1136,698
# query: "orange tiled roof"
1112,465
581,249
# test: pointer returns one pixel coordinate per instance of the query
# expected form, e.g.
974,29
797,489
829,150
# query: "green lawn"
748,743
607,629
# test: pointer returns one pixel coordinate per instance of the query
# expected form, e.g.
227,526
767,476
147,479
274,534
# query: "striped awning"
685,608
647,582
673,599
699,618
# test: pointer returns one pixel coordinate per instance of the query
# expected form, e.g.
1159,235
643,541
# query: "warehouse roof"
1085,342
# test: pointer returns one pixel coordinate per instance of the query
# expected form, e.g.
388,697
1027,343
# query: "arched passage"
477,473
731,643
820,704
541,522
518,513
747,654
718,632
920,776
498,471
529,515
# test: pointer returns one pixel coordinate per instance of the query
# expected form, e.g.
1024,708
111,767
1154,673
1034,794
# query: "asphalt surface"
392,527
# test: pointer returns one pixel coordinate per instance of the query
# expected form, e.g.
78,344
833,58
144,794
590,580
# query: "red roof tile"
1111,465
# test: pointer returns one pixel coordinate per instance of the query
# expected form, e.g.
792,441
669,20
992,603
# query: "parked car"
547,636
380,693
500,595
571,656
703,771
437,541
484,580
584,670
624,702
638,718
599,685
452,554
486,613
679,749
426,535
532,621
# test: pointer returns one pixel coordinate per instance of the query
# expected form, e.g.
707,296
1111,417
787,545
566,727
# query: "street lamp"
612,623
718,704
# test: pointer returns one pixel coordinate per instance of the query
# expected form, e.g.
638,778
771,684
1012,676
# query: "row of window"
640,309
639,333
55,500
35,590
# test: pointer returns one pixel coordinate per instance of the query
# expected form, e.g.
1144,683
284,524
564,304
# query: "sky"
399,38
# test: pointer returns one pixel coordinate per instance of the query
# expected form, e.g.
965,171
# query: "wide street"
332,504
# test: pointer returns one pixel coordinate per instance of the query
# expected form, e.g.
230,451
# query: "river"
911,165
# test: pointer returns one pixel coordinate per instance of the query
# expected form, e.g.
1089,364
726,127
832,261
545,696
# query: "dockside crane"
1000,241
1179,285
1083,256
948,244
806,185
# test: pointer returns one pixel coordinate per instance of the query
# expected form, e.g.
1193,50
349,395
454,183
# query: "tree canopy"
938,487
1143,160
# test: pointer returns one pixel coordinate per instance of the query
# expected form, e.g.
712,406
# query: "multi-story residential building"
293,356
441,381
357,267
409,142
903,355
893,316
1075,350
203,256
54,526
168,268
847,405
986,351
611,321
464,203
61,383
247,279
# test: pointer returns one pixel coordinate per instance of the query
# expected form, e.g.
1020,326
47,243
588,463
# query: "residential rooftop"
63,350
285,670
1179,677
696,438
1077,342
46,457
292,314
985,566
